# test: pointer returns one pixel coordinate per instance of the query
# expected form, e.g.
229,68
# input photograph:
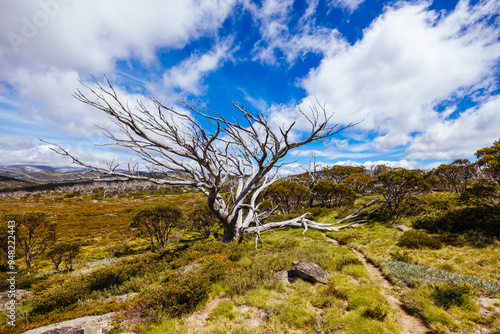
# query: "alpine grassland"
197,284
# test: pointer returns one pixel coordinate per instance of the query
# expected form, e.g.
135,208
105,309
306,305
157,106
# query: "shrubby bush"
203,220
156,223
289,196
333,195
447,294
64,252
457,220
359,182
177,295
64,291
432,202
419,239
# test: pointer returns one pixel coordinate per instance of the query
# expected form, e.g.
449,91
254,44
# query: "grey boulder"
97,324
310,271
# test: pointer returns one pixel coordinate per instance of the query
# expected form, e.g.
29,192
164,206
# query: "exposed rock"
97,324
287,276
121,298
310,271
401,227
488,306
188,270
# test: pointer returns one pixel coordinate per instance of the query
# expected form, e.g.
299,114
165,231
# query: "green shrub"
402,256
233,251
458,220
447,294
419,239
333,195
64,252
289,196
377,312
203,220
317,212
156,223
177,295
64,291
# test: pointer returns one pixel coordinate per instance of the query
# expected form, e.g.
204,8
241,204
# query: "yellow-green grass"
379,241
93,221
349,303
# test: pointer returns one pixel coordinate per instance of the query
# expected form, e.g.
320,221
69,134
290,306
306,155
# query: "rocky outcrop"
287,276
97,324
310,271
401,227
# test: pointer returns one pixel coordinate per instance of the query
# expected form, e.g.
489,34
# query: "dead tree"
174,141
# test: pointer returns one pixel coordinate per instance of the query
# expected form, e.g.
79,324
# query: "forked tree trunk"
231,233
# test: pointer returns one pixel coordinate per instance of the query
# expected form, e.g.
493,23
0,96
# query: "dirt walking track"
409,323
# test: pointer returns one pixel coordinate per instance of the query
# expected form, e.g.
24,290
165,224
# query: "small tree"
203,220
64,252
486,191
35,234
289,196
397,186
333,195
359,182
489,161
157,223
454,177
339,173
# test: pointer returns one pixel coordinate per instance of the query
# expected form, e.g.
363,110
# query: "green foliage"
419,239
359,182
397,186
178,295
333,195
63,291
447,294
484,194
458,220
233,251
431,202
421,301
289,196
454,177
203,220
156,223
318,212
402,257
489,161
64,252
377,311
34,234
337,173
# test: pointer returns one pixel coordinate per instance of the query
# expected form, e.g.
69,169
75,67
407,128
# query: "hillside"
200,285
21,176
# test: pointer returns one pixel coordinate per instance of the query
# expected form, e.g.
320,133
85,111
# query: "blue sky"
422,76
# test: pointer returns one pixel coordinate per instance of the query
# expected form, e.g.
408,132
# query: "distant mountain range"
21,176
